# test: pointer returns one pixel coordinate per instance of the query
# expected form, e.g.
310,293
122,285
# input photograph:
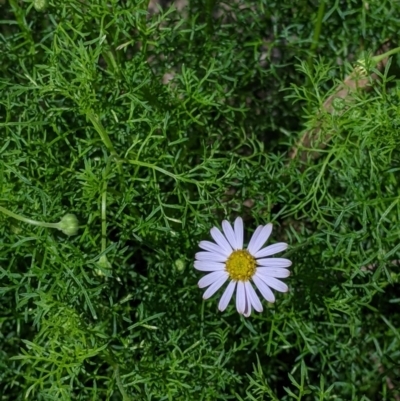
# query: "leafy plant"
153,123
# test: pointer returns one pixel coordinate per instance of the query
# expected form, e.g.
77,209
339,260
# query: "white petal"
213,288
259,238
274,283
252,297
239,232
226,296
271,250
254,237
229,234
247,309
221,240
214,257
274,262
208,265
240,297
211,278
214,248
271,272
263,288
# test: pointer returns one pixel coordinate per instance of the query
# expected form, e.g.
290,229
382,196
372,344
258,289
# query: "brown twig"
345,90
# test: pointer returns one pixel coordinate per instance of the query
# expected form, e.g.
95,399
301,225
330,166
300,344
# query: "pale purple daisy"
227,260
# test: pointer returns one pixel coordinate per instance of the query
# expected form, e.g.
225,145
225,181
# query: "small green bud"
103,267
40,5
179,265
362,68
103,262
69,224
338,103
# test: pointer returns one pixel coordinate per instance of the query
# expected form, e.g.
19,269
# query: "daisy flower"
227,260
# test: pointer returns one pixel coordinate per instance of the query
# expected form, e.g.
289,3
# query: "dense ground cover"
154,122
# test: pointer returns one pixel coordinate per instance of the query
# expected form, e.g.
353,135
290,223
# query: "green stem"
377,59
210,4
318,25
125,396
110,60
317,30
104,136
103,217
29,221
69,224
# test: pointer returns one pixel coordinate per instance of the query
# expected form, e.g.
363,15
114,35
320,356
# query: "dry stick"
345,90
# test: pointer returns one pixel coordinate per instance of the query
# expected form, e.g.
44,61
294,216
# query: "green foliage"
150,128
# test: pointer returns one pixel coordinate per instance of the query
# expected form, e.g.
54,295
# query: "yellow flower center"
240,265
